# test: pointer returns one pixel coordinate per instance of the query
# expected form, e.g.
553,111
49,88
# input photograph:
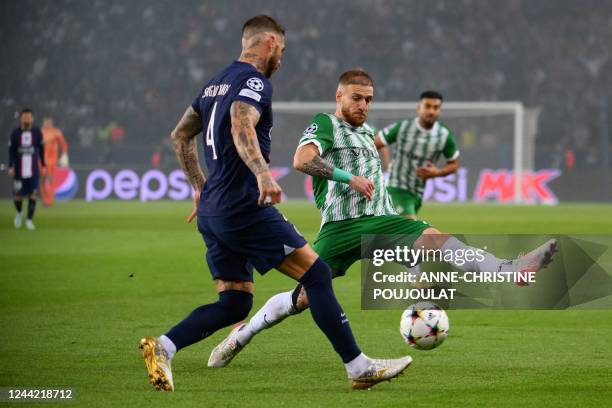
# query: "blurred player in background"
419,142
53,138
236,217
25,150
339,152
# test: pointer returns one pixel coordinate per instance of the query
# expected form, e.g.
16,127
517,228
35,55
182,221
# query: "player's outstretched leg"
532,261
363,372
232,307
274,311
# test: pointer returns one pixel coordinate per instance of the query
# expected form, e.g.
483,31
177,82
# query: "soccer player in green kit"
339,152
419,142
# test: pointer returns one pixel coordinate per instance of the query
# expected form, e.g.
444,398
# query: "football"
424,325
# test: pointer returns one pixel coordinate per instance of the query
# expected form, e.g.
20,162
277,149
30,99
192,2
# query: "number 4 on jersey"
210,139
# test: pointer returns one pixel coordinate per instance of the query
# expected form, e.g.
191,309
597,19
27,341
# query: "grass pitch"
78,294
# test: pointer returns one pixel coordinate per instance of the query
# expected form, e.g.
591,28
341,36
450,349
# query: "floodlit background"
117,75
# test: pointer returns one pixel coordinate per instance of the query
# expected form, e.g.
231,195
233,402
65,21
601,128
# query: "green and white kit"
346,214
414,147
353,150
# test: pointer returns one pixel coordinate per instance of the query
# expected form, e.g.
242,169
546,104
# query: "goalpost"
495,124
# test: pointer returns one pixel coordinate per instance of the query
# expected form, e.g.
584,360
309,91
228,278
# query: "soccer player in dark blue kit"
234,208
25,149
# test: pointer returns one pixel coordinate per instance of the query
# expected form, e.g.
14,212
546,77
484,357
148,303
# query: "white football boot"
379,370
225,351
531,261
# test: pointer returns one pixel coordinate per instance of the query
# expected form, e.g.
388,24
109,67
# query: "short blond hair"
356,76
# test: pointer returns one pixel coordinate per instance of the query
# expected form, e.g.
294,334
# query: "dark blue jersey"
231,188
25,149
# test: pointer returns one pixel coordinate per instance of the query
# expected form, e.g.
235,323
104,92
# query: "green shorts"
405,202
339,242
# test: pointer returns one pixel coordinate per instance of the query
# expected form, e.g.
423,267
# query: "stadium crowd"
107,67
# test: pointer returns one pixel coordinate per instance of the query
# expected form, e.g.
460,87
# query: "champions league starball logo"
311,129
255,84
65,184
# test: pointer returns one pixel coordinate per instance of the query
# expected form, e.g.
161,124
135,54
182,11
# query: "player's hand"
362,185
194,213
43,171
269,190
11,171
63,160
428,171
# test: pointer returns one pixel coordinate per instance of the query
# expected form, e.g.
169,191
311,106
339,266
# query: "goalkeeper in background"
53,139
419,142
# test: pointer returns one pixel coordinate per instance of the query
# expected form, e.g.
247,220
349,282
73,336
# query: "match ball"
424,325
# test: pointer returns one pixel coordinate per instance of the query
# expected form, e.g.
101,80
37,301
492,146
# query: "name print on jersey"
214,90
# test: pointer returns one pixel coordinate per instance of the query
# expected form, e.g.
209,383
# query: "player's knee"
431,238
236,304
299,299
318,273
302,300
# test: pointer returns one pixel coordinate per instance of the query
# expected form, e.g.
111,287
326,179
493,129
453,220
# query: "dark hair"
25,110
355,76
431,95
260,24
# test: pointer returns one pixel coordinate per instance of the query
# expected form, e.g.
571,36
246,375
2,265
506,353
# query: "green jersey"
416,146
351,149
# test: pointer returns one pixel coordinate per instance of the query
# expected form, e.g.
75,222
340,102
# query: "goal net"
496,141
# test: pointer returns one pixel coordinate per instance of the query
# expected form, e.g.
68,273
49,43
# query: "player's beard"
428,122
353,119
273,64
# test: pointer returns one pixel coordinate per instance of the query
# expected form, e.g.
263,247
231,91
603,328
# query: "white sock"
276,309
490,263
357,366
168,345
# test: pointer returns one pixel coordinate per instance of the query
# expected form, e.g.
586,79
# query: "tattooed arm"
244,119
186,148
307,160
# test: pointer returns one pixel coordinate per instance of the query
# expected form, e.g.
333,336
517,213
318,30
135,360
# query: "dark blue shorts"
25,187
236,244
